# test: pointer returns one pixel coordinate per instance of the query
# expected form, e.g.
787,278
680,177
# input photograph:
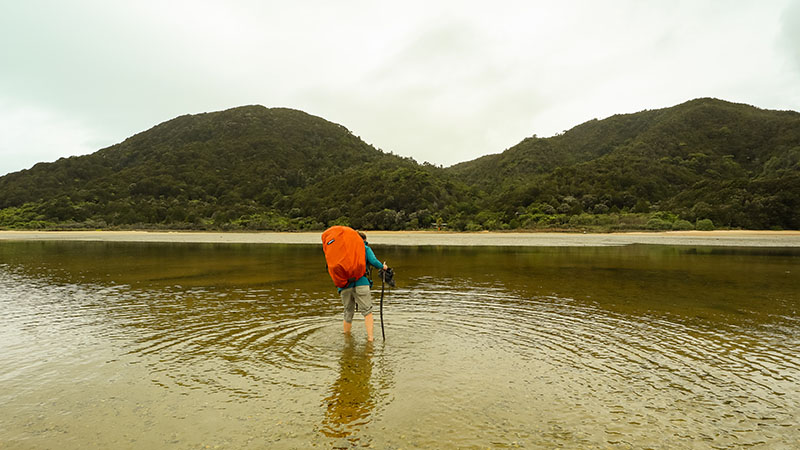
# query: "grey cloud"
442,81
789,37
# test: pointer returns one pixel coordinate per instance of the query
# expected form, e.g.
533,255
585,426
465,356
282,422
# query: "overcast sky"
439,81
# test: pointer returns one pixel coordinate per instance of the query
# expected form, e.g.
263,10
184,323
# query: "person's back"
357,292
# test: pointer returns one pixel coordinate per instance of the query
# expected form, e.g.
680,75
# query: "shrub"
658,224
665,216
472,226
583,220
682,225
705,225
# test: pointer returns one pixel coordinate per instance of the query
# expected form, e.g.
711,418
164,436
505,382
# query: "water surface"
136,345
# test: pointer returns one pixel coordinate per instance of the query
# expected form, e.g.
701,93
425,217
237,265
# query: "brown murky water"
114,345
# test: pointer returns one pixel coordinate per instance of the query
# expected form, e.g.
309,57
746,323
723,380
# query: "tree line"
699,165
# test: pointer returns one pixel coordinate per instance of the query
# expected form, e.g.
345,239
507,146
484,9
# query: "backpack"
345,254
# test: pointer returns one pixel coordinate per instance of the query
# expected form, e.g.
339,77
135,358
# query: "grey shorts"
353,295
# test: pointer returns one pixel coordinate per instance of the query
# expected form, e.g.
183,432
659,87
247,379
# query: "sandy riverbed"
693,238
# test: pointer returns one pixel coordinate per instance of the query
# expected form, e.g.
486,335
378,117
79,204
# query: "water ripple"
579,367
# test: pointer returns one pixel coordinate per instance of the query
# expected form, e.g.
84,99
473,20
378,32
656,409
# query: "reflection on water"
350,401
240,346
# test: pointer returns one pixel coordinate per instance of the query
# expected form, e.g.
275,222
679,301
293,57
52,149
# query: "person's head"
363,236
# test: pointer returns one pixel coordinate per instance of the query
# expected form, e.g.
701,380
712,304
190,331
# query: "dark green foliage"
387,195
705,162
705,225
734,164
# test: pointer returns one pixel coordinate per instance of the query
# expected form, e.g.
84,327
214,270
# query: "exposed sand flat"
412,238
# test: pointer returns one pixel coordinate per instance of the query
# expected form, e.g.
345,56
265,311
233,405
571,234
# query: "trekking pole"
383,279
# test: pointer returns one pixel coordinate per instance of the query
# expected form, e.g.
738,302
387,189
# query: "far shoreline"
724,238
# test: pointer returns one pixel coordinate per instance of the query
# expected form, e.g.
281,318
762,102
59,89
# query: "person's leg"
369,325
349,302
364,301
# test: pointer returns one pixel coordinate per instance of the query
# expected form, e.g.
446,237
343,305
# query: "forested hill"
705,161
239,168
706,158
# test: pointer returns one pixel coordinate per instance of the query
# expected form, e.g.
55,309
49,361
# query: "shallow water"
115,345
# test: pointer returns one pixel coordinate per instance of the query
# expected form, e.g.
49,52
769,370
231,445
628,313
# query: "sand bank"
415,238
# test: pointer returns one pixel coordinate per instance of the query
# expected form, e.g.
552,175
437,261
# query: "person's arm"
372,260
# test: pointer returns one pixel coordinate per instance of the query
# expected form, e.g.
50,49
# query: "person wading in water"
353,287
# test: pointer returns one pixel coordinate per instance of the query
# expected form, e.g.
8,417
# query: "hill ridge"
253,167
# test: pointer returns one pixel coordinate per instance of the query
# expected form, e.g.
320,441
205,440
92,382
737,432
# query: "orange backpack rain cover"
345,254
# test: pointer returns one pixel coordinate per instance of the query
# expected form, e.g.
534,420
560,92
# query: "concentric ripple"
188,359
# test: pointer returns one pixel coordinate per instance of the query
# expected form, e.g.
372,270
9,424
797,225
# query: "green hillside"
705,159
238,168
702,163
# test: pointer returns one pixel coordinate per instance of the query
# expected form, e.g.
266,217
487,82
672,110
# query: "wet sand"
424,238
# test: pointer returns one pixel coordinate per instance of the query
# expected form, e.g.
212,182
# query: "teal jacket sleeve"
371,259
